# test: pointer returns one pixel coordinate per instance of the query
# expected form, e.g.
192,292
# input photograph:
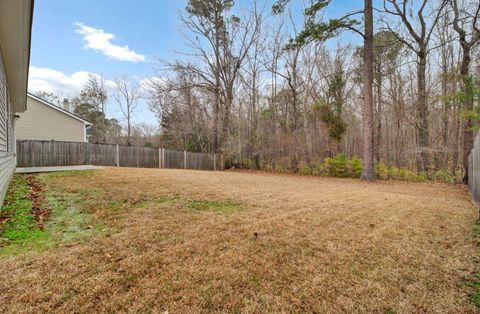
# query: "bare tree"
221,41
420,31
127,95
468,38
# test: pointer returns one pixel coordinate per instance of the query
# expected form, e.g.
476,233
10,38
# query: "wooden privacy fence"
474,170
54,153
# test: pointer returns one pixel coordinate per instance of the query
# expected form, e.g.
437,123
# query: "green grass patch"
476,293
19,232
224,207
68,221
162,201
69,173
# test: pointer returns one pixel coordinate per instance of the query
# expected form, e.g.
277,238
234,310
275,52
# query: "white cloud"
148,84
63,85
98,39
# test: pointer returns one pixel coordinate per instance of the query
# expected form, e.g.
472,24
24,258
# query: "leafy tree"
48,96
330,111
90,104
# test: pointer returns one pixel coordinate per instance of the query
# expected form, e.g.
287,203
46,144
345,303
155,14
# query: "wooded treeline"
245,88
271,88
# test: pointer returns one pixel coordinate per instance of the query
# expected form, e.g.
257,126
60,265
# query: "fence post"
163,158
222,166
159,158
184,160
214,162
118,156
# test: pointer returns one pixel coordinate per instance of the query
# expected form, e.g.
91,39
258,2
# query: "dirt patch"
39,209
297,244
3,219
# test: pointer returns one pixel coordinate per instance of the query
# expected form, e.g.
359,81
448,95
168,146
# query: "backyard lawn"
154,240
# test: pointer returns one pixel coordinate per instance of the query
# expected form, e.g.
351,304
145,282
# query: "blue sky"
147,29
73,38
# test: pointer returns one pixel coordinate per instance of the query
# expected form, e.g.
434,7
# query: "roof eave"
16,18
68,113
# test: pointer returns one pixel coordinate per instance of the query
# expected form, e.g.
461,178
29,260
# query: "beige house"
15,32
47,122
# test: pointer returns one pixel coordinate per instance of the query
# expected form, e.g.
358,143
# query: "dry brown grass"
324,246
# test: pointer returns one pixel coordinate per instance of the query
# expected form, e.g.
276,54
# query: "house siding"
41,122
7,136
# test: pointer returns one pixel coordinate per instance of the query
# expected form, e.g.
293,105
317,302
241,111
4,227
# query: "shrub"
268,167
281,169
317,169
246,164
394,172
382,171
326,168
304,169
356,167
422,177
336,166
443,176
275,167
407,175
340,166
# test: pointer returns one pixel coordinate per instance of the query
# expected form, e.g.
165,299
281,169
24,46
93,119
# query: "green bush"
342,167
382,171
336,166
304,169
422,177
394,172
339,166
407,175
356,167
443,176
326,168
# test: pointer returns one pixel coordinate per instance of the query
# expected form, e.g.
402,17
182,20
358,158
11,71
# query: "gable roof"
15,37
68,113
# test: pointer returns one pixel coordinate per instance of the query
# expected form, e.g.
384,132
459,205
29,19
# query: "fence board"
101,154
136,156
174,159
474,170
54,153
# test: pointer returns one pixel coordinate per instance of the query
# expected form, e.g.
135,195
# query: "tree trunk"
368,172
378,135
216,105
445,154
422,110
467,106
227,111
216,113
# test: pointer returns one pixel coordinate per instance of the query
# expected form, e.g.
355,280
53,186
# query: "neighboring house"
47,122
15,32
